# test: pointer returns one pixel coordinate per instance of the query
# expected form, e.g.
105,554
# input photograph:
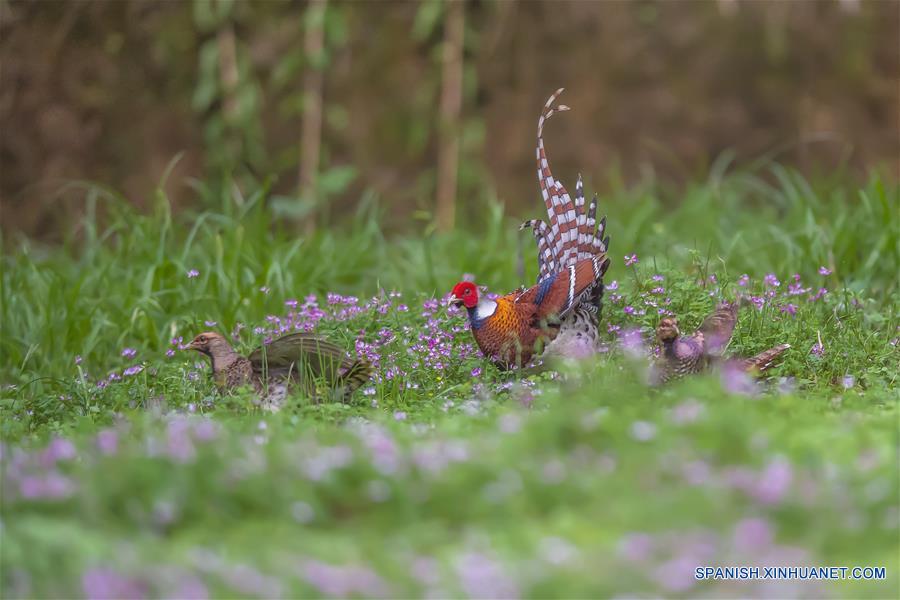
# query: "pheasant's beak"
455,301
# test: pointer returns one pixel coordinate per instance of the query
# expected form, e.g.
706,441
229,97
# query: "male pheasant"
685,355
571,235
509,329
295,359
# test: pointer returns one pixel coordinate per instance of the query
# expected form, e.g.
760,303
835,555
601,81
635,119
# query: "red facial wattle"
467,293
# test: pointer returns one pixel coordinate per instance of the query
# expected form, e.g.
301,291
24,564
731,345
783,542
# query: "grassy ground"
125,474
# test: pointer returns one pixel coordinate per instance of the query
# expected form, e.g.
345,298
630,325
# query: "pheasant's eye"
467,292
202,339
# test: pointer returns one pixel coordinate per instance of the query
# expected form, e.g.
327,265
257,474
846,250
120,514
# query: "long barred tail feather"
585,233
571,233
547,259
592,212
560,209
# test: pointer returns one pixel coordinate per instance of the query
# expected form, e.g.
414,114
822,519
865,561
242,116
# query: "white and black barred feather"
569,235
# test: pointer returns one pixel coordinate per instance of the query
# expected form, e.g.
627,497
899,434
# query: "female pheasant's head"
465,293
211,344
667,330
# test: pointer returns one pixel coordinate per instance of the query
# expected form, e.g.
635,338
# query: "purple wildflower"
476,372
170,353
848,381
790,309
744,280
189,587
736,381
612,285
628,310
59,449
291,303
696,472
209,323
796,288
101,583
635,547
129,352
206,430
193,273
773,482
342,581
49,486
78,359
632,343
631,259
250,582
386,456
818,295
825,271
399,416
658,277
107,441
687,412
771,281
752,535
265,289
817,349
482,577
677,574
179,443
132,370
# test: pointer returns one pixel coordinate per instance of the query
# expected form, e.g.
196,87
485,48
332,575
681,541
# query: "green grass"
432,480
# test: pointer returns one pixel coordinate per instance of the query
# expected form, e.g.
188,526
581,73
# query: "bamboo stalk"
450,109
311,123
228,69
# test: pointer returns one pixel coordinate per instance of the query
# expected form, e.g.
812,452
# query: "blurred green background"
429,107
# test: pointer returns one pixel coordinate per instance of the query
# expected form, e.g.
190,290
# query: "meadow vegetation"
125,474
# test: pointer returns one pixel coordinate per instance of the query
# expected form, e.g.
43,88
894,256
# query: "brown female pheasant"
685,355
571,235
509,329
300,359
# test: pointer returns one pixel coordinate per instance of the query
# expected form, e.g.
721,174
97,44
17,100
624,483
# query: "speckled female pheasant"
509,329
301,359
569,235
685,355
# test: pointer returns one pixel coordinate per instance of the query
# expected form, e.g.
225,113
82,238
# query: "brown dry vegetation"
106,92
